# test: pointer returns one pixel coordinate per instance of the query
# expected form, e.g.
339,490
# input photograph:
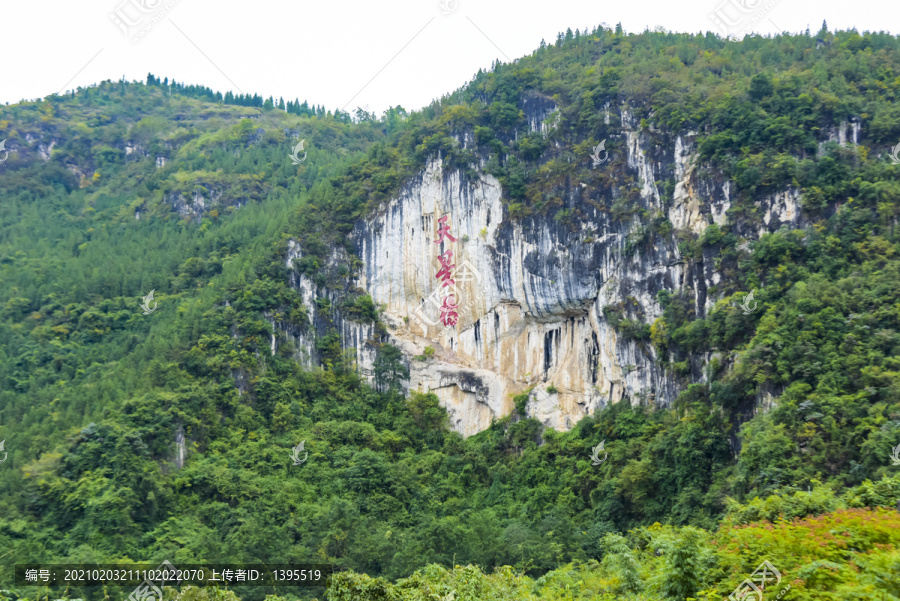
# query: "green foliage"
427,353
686,564
843,554
621,561
632,329
93,393
784,506
361,308
761,86
521,401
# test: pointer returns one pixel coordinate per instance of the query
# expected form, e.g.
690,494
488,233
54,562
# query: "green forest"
693,497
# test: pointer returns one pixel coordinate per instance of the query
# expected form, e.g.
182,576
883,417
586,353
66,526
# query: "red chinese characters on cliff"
449,316
444,231
448,311
446,269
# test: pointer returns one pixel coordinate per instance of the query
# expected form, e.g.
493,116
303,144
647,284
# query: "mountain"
579,264
678,246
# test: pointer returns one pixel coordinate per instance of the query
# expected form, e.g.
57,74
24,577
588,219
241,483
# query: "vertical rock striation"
532,311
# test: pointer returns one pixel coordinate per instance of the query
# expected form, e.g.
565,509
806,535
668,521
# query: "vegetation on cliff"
93,391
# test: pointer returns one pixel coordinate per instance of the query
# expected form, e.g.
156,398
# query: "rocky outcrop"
533,291
354,335
194,206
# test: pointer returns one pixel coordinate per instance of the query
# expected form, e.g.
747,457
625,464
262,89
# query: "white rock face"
520,329
838,133
685,213
353,335
45,151
532,300
180,450
781,207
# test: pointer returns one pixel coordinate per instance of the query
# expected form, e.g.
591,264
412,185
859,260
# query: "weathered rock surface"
532,299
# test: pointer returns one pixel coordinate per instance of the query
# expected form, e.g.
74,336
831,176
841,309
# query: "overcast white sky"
348,53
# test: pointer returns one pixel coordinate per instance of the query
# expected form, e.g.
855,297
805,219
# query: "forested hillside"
143,436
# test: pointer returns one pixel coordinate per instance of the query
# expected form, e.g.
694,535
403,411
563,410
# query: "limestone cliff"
532,305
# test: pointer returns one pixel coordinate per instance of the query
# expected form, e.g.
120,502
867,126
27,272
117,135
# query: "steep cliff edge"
533,298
